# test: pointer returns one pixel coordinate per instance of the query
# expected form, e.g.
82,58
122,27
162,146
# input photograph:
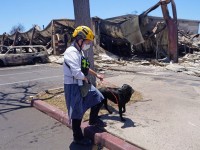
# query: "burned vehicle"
18,55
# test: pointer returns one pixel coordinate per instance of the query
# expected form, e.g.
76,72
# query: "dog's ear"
124,86
127,87
120,90
130,89
127,91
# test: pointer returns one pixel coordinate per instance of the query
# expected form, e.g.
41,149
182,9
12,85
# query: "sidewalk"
167,118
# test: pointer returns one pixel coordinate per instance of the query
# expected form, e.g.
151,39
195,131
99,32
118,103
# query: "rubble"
104,60
189,64
56,59
175,67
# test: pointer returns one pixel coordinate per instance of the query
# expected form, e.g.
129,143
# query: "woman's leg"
94,113
76,128
77,133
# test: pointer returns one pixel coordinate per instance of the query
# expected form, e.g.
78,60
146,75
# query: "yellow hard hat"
85,33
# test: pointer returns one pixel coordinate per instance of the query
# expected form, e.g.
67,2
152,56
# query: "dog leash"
117,101
107,83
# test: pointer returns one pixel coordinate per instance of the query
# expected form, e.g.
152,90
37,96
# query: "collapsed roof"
35,36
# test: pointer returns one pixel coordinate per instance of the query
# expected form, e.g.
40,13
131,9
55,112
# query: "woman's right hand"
85,79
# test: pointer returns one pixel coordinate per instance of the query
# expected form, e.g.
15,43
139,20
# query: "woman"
76,67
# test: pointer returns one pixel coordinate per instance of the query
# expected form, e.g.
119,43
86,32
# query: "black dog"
119,96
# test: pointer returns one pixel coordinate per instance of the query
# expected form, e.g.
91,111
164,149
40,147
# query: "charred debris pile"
129,37
150,38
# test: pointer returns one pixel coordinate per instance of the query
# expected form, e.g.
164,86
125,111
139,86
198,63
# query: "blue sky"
41,12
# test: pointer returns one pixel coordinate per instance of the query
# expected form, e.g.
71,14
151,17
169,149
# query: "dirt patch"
56,98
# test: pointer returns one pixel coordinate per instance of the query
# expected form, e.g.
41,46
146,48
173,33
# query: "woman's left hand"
100,76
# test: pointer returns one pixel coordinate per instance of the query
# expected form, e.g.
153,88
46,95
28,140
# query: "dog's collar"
117,101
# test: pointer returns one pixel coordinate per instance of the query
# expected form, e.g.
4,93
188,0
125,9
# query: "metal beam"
172,29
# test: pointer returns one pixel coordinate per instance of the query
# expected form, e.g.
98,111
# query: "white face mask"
86,47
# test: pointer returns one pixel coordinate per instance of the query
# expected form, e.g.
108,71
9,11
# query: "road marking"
21,67
30,80
20,73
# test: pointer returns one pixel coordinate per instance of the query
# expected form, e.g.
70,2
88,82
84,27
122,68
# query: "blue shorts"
76,104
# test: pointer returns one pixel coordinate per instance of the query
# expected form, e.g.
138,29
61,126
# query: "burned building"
124,36
148,35
56,36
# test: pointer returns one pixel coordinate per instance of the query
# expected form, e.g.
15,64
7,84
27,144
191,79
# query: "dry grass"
56,98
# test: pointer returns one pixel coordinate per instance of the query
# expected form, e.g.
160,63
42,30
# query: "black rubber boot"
77,133
84,141
76,128
94,120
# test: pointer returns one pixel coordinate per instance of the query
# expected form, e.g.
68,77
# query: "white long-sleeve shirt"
72,75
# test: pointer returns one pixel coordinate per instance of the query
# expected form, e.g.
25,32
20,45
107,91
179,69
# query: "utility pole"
82,12
82,17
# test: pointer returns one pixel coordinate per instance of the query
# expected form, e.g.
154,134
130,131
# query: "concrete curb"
100,137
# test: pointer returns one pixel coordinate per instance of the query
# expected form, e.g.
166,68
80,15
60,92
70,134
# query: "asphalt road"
23,127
